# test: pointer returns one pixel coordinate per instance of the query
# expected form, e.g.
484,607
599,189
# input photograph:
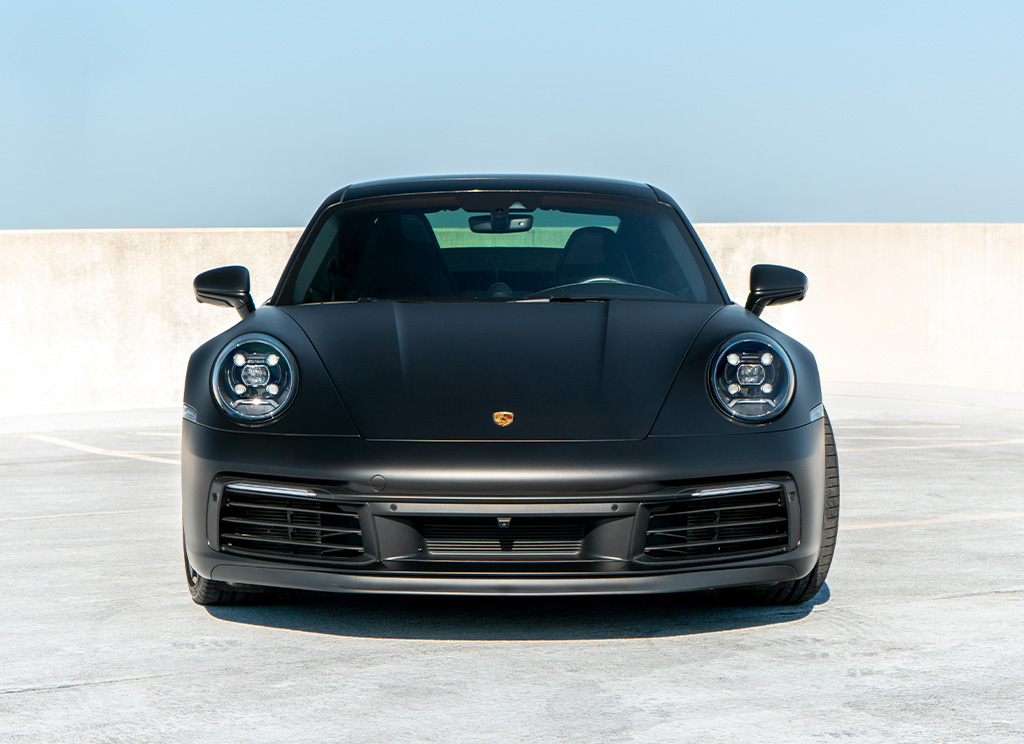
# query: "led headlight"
751,378
254,378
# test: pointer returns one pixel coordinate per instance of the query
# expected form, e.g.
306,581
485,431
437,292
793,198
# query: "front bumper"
502,517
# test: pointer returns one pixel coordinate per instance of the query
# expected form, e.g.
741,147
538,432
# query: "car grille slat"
285,541
718,509
676,530
289,527
278,507
695,544
720,527
299,525
524,536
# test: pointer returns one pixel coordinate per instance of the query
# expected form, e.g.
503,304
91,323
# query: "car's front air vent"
719,523
279,526
523,536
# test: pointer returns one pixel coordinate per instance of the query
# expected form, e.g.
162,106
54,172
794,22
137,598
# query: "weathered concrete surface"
106,319
928,304
100,319
916,637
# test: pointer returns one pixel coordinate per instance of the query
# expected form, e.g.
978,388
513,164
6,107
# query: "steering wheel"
602,280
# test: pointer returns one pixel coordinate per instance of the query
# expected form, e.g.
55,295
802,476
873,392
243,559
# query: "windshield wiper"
573,298
423,298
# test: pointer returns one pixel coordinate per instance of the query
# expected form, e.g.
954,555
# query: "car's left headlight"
254,378
751,378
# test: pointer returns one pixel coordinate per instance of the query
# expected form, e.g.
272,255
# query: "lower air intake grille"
289,527
523,536
745,522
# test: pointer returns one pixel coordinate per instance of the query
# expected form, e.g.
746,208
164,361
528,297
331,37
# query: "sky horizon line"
122,115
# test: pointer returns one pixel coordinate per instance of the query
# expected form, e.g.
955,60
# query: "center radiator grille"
524,536
276,526
726,523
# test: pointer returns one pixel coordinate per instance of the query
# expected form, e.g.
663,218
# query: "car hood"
593,370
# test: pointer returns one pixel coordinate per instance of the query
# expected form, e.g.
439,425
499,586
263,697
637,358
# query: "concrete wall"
931,304
106,319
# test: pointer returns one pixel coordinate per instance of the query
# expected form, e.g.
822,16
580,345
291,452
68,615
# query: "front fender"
317,408
688,408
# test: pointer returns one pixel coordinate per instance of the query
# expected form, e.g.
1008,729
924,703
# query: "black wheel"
801,590
209,592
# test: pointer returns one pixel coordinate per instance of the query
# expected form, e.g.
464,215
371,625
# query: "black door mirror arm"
227,286
774,285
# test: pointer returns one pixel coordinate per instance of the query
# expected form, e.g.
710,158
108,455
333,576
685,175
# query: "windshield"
490,246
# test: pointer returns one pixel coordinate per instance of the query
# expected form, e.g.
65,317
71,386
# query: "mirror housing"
774,285
501,223
227,286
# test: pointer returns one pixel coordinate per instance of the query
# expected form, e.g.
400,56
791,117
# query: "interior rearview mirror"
500,223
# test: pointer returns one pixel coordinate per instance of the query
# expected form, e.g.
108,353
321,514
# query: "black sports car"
505,385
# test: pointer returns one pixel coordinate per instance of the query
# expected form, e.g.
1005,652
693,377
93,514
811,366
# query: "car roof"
433,184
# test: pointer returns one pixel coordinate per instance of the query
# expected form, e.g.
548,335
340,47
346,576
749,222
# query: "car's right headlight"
254,379
751,378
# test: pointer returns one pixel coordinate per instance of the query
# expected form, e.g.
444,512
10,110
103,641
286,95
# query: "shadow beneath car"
459,618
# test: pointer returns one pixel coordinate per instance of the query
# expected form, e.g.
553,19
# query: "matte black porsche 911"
505,384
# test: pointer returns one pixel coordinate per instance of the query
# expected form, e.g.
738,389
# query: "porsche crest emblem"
503,418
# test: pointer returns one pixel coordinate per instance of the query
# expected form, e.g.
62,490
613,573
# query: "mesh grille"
522,537
276,526
741,525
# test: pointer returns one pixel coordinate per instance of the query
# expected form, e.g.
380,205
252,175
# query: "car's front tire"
801,590
209,592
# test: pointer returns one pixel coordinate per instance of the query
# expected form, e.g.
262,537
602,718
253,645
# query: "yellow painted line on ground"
937,520
976,443
98,451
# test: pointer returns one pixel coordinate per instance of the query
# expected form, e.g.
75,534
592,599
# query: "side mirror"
774,285
227,286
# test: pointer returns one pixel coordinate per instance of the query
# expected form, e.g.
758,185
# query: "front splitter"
504,585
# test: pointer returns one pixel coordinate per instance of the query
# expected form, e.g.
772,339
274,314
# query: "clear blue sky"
190,114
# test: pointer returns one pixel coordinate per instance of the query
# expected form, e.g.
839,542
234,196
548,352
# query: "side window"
662,259
333,257
312,283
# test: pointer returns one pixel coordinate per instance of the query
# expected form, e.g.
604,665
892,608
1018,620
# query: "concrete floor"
917,637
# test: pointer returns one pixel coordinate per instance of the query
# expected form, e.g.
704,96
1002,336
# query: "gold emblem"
503,418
